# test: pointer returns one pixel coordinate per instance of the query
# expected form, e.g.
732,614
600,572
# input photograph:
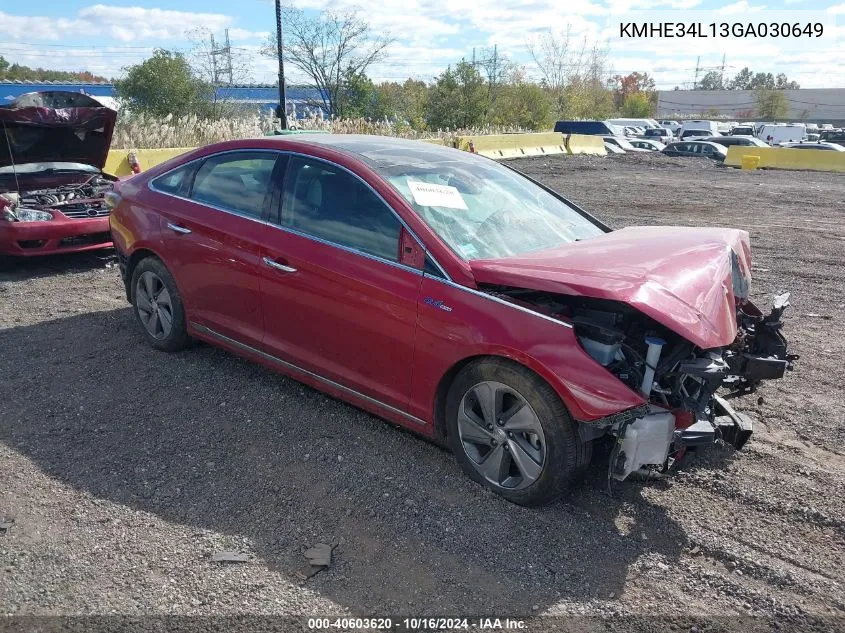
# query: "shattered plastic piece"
229,557
5,525
319,558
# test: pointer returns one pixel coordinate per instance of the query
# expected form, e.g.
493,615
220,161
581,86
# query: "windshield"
483,210
34,168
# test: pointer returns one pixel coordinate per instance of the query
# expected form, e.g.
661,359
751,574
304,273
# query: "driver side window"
329,203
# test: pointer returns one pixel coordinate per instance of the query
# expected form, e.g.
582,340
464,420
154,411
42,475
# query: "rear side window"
236,181
176,182
329,203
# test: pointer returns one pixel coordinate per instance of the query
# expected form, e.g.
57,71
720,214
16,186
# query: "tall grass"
139,131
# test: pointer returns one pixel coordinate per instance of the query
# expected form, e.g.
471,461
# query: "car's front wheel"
158,305
510,432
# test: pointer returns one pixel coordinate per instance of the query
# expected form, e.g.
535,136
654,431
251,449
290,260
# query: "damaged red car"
53,146
454,296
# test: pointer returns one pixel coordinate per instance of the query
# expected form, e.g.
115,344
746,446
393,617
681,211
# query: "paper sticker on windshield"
429,195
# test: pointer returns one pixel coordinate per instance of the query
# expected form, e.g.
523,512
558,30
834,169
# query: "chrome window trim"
495,299
343,247
348,249
287,365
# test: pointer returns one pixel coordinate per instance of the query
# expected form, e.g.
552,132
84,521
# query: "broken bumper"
730,426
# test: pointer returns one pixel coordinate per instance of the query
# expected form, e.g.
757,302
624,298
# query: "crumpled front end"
676,327
689,388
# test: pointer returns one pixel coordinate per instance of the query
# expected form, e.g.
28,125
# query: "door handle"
178,229
274,264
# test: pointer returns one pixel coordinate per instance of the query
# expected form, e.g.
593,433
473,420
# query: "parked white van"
774,133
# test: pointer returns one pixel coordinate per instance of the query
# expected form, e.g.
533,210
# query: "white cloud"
125,24
740,7
243,34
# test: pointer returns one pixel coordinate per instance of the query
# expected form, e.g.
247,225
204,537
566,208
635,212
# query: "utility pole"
473,56
722,73
283,111
697,65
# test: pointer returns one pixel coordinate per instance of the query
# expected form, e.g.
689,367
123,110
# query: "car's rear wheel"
510,432
158,305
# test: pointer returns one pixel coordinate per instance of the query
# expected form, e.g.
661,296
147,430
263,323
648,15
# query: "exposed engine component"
84,200
675,376
58,196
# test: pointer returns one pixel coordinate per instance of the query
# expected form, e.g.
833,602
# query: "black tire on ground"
177,338
567,456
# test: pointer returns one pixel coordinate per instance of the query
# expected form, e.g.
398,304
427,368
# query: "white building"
822,105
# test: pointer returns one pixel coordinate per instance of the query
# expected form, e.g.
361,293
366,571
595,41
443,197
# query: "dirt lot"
125,469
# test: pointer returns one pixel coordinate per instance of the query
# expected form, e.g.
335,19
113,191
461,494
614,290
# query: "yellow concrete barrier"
785,158
585,144
117,162
513,145
750,161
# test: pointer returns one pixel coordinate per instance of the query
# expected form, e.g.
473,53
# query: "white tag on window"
430,195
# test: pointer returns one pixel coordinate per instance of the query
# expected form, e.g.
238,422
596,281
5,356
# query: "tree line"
18,72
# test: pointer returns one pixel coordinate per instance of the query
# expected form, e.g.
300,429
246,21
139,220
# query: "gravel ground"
125,469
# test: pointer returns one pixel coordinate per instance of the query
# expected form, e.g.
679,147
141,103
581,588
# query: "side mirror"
411,252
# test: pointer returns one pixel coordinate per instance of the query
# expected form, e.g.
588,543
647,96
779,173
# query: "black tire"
177,337
566,455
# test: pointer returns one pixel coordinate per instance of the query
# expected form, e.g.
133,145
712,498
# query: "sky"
428,35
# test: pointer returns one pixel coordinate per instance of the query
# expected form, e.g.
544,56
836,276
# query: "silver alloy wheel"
502,435
154,306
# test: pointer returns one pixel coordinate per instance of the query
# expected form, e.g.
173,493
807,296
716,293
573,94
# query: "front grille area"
85,240
85,211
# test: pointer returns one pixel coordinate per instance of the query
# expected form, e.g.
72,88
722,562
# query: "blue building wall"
261,96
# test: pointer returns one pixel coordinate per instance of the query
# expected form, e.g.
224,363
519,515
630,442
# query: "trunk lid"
55,126
683,278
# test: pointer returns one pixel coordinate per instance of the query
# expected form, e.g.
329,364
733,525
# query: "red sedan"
454,296
53,146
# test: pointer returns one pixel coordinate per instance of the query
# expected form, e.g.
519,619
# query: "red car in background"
453,296
53,146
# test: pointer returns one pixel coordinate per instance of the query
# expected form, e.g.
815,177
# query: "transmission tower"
225,52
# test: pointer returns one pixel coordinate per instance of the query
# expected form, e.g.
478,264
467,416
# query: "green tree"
587,98
458,98
523,104
782,83
746,80
407,101
9,71
164,84
711,81
637,105
771,104
362,98
741,80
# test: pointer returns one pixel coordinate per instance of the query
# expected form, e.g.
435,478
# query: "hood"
683,278
42,127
